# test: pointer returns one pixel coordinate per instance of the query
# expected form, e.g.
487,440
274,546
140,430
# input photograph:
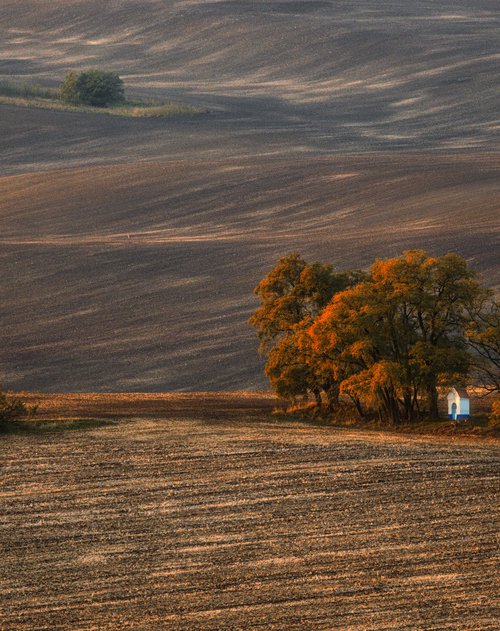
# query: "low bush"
12,409
72,97
98,88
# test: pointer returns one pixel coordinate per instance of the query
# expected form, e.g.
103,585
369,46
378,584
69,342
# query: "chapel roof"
462,392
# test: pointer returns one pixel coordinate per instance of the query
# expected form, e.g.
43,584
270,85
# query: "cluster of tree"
386,340
92,87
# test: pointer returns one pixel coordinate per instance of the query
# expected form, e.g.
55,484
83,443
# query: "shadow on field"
95,408
81,411
37,426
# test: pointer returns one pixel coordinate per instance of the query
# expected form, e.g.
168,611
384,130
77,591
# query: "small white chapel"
458,404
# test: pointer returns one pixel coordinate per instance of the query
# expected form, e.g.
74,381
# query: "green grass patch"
32,95
24,90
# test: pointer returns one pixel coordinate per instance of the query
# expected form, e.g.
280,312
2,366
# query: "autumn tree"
483,337
291,297
402,333
288,370
387,340
295,370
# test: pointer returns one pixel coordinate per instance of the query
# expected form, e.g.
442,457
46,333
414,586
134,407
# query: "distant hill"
129,248
377,74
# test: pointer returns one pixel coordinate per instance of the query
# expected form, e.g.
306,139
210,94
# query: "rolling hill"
129,248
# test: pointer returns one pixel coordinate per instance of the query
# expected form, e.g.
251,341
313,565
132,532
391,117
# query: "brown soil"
141,405
207,514
334,75
128,252
140,276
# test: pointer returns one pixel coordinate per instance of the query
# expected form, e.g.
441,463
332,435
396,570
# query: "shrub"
92,87
12,409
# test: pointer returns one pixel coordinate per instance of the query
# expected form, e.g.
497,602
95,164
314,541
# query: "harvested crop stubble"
207,521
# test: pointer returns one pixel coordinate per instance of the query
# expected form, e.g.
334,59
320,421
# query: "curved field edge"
87,410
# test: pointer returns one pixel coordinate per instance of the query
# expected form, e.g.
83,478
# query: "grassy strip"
156,110
27,95
26,90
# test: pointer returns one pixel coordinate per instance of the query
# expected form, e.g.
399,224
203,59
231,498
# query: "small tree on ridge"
98,88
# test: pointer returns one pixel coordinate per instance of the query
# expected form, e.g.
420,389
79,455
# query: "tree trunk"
317,395
408,405
391,406
394,410
432,399
358,406
332,396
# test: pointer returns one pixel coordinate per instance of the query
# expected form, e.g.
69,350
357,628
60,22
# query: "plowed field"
346,131
205,513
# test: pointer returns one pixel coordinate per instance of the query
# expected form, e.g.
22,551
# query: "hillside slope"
140,276
129,248
387,73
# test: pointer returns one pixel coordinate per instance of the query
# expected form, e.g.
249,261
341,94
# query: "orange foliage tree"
386,340
292,295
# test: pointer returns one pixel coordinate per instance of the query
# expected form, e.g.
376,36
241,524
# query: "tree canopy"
98,88
483,336
386,340
292,296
